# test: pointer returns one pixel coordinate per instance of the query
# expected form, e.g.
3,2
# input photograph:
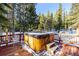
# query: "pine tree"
53,21
27,17
74,16
64,21
49,19
4,21
41,25
59,18
33,21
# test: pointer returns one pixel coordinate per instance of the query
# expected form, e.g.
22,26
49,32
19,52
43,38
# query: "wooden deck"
13,50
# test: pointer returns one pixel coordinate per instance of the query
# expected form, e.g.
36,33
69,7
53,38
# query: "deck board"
13,50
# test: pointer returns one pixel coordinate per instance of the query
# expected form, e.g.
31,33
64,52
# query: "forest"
22,17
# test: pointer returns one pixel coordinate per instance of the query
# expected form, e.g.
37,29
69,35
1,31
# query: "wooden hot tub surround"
38,41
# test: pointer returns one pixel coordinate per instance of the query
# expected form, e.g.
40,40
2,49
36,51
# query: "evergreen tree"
53,21
49,20
64,21
27,17
4,22
59,18
32,21
74,16
41,25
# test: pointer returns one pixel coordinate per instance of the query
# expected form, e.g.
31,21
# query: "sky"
52,7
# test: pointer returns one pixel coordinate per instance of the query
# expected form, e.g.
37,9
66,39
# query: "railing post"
20,37
6,37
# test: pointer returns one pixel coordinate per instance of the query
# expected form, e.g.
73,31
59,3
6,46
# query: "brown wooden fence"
17,37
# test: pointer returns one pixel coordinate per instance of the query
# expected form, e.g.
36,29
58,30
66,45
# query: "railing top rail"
69,35
10,33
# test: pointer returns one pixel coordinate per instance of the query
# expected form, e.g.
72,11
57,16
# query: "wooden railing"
18,37
66,38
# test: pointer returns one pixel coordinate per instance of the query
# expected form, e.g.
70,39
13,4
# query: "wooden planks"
38,41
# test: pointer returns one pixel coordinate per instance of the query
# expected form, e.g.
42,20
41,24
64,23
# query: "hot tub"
38,41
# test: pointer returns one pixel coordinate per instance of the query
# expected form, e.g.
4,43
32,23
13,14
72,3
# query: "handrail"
10,33
66,38
18,37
